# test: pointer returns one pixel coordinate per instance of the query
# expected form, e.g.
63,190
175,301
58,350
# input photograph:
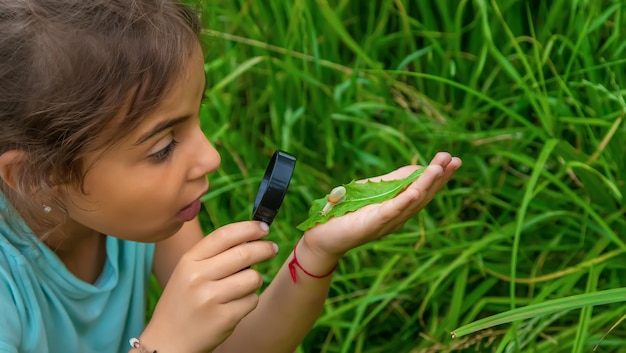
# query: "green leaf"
357,196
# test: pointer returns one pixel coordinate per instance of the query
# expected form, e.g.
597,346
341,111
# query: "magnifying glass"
273,187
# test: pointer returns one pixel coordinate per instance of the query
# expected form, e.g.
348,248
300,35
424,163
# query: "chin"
154,235
166,233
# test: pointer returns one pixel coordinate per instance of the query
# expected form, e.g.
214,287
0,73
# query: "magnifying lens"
273,187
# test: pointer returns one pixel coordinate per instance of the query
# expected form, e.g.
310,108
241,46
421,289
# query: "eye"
163,154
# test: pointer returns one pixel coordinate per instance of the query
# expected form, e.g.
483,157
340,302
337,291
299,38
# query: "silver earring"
47,209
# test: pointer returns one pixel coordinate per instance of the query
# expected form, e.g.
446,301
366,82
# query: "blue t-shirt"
45,308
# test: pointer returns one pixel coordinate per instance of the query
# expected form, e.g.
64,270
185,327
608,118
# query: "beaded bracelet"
294,262
134,343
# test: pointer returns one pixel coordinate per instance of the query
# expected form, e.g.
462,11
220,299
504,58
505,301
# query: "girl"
102,164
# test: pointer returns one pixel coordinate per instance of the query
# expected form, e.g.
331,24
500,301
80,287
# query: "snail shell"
337,195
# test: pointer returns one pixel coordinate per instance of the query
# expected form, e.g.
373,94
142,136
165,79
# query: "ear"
9,165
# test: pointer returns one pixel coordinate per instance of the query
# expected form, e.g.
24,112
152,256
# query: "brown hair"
67,67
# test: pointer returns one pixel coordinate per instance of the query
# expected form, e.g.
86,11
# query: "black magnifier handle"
273,187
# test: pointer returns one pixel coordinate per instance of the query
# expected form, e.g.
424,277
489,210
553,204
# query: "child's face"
148,185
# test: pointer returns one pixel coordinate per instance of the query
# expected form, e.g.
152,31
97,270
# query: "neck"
82,250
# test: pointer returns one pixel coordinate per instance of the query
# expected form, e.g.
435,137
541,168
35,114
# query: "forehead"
176,95
186,84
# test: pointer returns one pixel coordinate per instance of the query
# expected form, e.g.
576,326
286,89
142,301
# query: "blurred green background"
530,94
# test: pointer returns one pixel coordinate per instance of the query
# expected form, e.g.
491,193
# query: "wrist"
314,243
311,263
138,347
153,340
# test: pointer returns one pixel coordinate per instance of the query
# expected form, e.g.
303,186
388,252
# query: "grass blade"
544,308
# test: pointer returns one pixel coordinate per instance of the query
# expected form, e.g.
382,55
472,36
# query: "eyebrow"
160,127
169,123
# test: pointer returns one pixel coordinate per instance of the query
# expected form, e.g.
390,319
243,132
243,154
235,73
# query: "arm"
287,310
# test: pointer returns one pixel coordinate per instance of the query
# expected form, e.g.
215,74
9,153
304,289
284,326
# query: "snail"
337,195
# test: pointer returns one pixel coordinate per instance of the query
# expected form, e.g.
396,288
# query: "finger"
448,164
454,165
451,168
417,195
226,237
399,173
238,285
241,307
239,257
421,191
425,183
441,158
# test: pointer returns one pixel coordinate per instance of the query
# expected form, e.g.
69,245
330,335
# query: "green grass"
530,94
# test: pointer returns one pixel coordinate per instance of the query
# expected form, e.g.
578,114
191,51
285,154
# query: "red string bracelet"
294,262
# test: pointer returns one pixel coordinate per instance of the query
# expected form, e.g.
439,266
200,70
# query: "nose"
206,159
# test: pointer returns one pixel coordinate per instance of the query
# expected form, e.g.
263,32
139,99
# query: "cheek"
118,202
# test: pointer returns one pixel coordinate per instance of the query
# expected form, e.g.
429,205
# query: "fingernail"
275,246
264,226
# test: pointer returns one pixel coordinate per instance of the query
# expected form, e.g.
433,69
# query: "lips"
191,211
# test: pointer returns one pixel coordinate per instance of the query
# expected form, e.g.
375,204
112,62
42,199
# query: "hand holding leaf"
356,196
374,208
